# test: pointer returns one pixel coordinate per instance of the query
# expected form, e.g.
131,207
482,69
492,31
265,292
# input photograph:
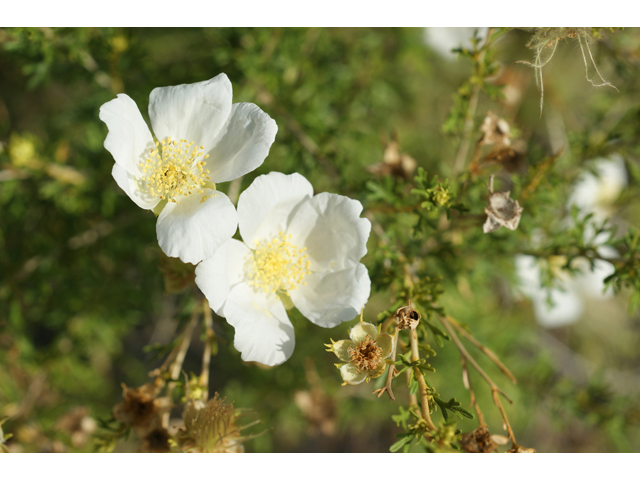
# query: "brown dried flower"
478,441
502,211
140,408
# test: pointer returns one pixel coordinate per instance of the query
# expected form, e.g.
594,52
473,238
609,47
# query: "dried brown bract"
478,441
502,211
407,318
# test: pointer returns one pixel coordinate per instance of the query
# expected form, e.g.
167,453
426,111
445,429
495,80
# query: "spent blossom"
298,250
201,139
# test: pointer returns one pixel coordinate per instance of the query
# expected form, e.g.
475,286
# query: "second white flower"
299,250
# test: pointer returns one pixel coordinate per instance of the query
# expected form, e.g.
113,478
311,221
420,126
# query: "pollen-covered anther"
173,169
366,355
278,265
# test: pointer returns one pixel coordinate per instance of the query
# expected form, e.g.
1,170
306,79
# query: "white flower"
364,354
596,194
567,305
299,250
592,194
202,139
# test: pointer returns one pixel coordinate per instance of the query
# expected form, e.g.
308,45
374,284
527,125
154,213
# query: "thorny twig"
495,390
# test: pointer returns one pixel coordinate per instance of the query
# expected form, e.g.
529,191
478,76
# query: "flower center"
365,355
278,265
175,168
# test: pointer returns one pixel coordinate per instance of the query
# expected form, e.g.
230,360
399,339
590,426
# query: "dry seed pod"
407,318
478,441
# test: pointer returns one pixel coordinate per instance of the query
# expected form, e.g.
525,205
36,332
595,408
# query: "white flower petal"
242,144
263,331
194,112
351,375
330,227
330,298
193,230
360,332
129,137
268,205
129,184
218,275
592,281
528,273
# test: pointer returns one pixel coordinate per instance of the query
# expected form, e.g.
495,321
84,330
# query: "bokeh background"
83,300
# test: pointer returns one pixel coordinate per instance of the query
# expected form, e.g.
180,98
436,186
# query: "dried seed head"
366,355
210,428
502,211
478,441
407,318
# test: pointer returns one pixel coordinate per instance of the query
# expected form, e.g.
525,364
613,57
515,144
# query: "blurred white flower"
597,194
202,139
299,250
445,39
565,305
364,354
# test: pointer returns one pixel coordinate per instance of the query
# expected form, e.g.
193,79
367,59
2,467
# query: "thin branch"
495,390
424,393
466,380
206,354
463,150
176,366
492,356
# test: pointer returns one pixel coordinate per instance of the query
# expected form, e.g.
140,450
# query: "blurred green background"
81,278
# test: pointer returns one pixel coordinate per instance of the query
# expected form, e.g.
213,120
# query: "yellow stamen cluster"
366,355
278,265
175,168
